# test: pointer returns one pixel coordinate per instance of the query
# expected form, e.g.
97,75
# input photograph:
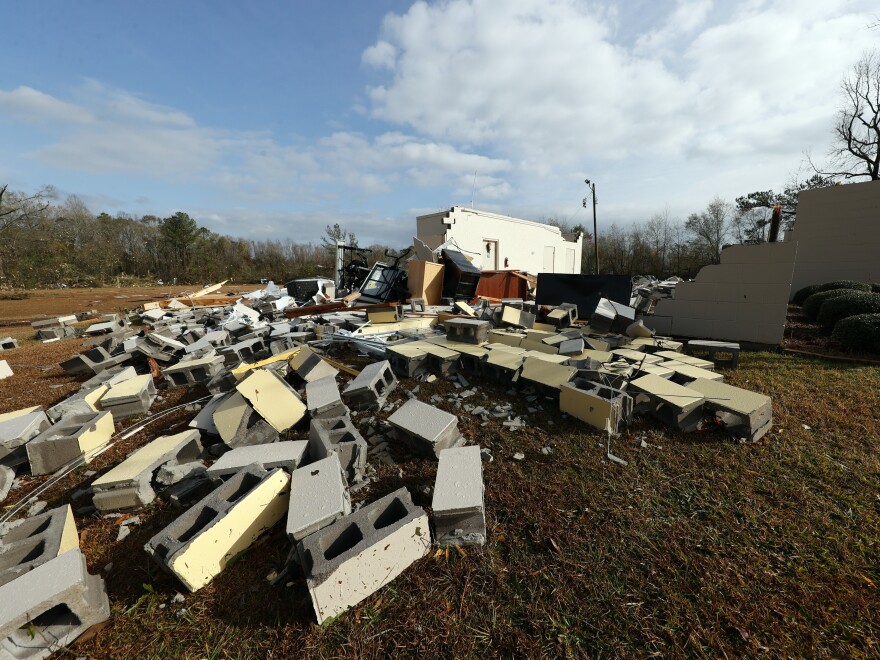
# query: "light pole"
592,187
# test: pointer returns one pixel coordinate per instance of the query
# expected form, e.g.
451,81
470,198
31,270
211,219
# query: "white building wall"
488,239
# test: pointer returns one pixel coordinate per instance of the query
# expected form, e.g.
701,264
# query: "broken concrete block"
17,428
323,399
354,557
683,373
459,509
204,420
128,485
723,354
371,387
678,406
199,544
745,414
8,343
109,377
599,406
193,372
27,543
174,473
287,455
562,317
468,331
686,359
49,607
84,402
74,437
318,497
339,436
130,397
407,360
271,396
309,366
240,425
425,428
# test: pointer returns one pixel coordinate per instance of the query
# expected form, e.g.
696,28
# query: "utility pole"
592,187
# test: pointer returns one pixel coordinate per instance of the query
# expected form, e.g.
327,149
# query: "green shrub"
855,302
859,333
808,291
813,304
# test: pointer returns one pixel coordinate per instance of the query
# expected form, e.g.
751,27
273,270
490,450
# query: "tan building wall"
838,235
744,298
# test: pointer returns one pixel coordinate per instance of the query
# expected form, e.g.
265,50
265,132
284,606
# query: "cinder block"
669,402
468,331
240,425
720,353
16,430
371,387
425,428
8,343
271,396
598,405
199,544
441,360
128,485
84,402
30,542
548,376
204,419
746,414
50,606
459,510
407,360
309,366
77,436
318,497
562,317
353,558
288,455
506,337
511,316
323,399
93,361
193,372
130,397
339,436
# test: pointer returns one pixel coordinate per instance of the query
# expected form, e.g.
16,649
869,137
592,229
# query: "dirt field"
41,303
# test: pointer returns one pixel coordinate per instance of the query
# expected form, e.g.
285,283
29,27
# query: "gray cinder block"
723,354
459,509
323,399
8,343
371,387
287,455
129,484
318,496
746,414
194,372
49,607
359,554
309,366
76,436
30,542
425,428
198,545
598,405
669,402
130,397
467,331
339,436
406,360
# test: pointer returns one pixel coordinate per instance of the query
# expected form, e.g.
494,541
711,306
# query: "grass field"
700,546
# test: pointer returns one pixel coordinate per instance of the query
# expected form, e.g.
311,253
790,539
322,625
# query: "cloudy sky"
271,119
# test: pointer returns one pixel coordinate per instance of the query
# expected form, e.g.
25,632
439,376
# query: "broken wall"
744,298
838,235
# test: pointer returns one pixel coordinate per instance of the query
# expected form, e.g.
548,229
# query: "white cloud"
35,107
380,55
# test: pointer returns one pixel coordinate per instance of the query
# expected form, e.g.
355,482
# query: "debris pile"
288,432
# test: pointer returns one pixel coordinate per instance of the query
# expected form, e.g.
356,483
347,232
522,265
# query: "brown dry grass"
699,547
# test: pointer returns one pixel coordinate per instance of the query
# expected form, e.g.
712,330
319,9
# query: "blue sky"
273,119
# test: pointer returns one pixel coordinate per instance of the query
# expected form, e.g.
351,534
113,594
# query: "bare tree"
710,228
856,152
